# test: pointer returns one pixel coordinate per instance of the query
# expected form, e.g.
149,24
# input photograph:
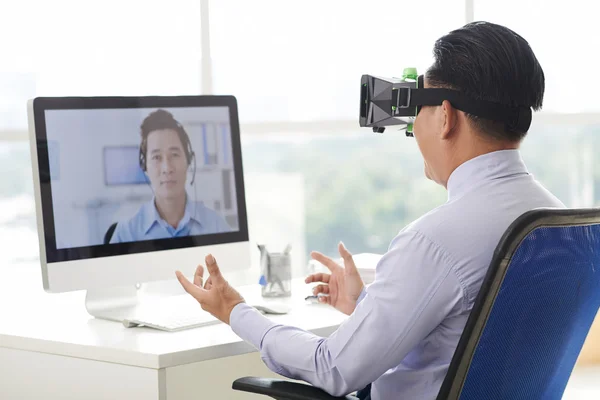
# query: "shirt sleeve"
415,289
362,295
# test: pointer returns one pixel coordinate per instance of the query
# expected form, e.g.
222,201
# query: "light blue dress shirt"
407,323
147,224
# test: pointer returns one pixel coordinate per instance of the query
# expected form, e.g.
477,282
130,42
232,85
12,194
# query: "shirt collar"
151,215
489,166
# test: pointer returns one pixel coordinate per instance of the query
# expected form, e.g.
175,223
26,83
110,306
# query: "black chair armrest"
283,390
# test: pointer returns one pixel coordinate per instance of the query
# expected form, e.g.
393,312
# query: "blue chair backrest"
533,312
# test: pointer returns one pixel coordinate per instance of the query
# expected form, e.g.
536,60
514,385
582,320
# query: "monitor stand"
114,304
148,300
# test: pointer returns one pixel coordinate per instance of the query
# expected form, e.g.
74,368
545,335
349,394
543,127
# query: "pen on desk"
315,298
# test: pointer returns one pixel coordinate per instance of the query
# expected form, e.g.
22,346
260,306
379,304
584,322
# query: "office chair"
109,233
529,320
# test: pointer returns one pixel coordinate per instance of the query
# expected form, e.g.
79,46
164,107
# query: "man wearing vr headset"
473,109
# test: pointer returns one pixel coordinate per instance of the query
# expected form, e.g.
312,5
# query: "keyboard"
173,313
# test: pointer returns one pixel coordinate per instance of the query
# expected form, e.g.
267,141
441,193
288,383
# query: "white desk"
50,348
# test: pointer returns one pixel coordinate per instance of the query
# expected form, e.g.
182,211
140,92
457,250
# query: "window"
363,188
302,61
310,171
79,48
564,39
18,229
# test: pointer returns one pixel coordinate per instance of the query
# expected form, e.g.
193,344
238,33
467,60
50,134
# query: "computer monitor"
130,189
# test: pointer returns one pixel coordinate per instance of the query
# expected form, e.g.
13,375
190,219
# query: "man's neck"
476,148
171,210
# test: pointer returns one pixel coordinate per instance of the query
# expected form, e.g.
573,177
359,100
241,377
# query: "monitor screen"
127,175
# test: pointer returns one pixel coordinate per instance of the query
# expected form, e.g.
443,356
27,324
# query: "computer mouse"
273,308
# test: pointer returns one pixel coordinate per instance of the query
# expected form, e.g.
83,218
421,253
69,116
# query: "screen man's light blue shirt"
147,224
407,323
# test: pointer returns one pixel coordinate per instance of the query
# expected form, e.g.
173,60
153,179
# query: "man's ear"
449,116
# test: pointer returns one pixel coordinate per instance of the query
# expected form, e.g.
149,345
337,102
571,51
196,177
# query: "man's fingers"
208,283
320,289
349,265
189,287
198,276
213,269
326,261
320,277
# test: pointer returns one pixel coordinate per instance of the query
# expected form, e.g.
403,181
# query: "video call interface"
126,175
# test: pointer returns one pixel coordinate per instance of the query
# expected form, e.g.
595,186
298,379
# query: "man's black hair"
158,120
489,62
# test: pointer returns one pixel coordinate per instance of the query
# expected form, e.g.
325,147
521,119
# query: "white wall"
84,206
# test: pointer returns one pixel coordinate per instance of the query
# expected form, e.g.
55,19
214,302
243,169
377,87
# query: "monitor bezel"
54,255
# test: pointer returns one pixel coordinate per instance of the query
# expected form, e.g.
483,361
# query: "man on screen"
165,156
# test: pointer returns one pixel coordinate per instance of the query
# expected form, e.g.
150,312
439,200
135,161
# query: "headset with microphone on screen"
167,121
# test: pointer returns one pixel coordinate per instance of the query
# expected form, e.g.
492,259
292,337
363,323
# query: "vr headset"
392,101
